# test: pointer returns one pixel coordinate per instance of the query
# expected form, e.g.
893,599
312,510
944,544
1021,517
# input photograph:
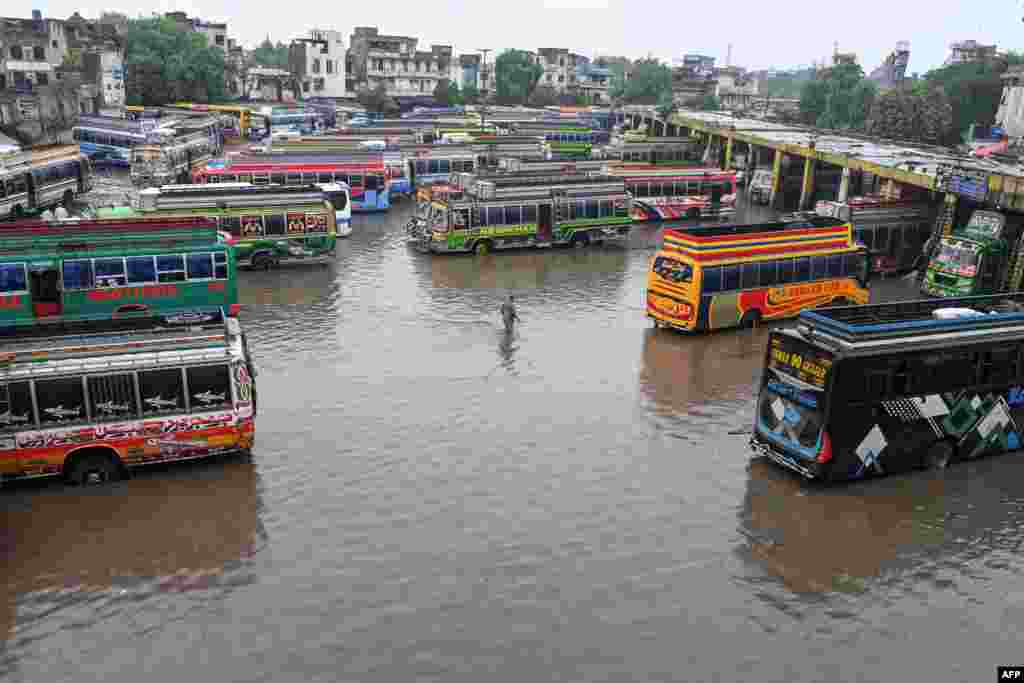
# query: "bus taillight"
825,450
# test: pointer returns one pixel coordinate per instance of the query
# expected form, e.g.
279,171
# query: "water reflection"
293,284
167,530
534,269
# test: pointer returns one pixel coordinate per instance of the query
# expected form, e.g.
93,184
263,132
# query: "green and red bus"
52,271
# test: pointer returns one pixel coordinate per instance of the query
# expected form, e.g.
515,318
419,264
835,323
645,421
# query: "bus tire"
482,248
17,211
69,199
841,301
93,466
751,319
693,214
939,455
262,260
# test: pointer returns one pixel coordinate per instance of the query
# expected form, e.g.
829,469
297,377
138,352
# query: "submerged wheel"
18,211
938,455
841,301
94,468
482,248
751,319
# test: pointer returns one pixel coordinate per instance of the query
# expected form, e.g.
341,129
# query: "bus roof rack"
708,231
851,325
89,328
94,225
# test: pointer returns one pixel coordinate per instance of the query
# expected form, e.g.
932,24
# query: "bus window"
530,213
260,179
373,182
220,265
748,275
786,269
245,177
819,267
495,215
161,391
231,224
468,166
853,264
13,278
294,179
200,266
730,278
673,270
592,208
711,280
640,190
60,400
277,178
77,275
109,272
768,274
513,215
655,189
606,208
338,200
112,397
209,387
324,178
803,269
679,188
141,269
16,403
434,166
666,189
3,189
169,268
835,265
444,166
421,167
274,224
356,180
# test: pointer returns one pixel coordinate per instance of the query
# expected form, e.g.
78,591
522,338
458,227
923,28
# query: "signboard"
985,224
800,361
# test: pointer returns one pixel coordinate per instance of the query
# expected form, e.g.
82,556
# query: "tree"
813,100
912,113
648,80
666,105
838,98
863,97
470,93
543,96
164,63
516,75
271,55
377,100
709,103
974,90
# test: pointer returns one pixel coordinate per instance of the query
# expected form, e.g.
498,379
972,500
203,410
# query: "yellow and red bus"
707,278
671,192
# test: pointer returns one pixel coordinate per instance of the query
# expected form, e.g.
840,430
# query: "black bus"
858,391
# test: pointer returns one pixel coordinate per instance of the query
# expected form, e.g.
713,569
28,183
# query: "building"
99,50
735,88
698,65
268,84
555,62
1010,115
394,61
319,63
469,71
593,81
893,69
844,58
694,80
967,51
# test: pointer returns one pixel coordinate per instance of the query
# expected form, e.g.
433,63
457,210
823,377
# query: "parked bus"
124,393
241,116
269,225
35,180
666,193
324,147
863,391
565,141
505,214
438,166
365,182
893,231
99,268
656,151
108,140
708,278
173,159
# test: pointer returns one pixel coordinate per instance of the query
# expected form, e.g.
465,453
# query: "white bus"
35,180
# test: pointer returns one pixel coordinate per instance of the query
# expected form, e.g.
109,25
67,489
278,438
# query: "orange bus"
707,278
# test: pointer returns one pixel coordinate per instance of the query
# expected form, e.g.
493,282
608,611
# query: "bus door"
44,288
544,222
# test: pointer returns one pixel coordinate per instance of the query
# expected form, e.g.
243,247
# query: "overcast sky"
779,33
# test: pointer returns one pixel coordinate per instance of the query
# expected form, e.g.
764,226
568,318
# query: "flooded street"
429,500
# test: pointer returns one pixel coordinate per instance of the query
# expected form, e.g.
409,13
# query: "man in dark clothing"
508,314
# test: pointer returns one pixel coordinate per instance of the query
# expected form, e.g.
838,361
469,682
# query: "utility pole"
484,95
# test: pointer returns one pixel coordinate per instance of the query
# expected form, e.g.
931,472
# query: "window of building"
42,79
16,52
316,65
219,40
53,44
305,86
330,66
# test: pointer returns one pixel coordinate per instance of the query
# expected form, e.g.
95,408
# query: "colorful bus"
269,225
241,116
708,278
366,183
35,180
855,392
666,193
174,159
516,214
427,168
124,393
328,148
100,268
654,151
109,140
564,141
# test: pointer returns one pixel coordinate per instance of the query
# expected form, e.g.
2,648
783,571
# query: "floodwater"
430,500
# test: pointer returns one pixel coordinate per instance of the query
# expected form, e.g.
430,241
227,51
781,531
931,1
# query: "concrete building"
698,65
593,81
966,51
99,49
693,80
319,62
395,62
1010,115
470,71
735,88
893,69
555,62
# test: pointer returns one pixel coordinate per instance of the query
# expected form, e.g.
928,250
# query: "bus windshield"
957,259
672,270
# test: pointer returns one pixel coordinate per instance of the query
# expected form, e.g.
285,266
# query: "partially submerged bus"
667,193
269,225
108,140
365,182
103,268
241,116
708,278
654,151
437,166
853,392
124,393
173,159
35,180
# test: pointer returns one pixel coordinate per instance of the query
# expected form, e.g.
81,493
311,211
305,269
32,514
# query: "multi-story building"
593,81
394,61
469,71
698,65
1010,115
99,50
734,87
966,51
556,63
893,69
693,80
319,63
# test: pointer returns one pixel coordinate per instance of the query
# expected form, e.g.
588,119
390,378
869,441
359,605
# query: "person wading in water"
509,315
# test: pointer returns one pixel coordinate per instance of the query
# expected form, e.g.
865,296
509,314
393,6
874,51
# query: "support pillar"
708,151
728,153
773,200
844,186
807,188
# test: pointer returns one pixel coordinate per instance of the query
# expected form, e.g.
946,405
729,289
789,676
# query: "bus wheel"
69,198
751,319
938,455
693,214
93,467
262,260
18,211
482,248
841,301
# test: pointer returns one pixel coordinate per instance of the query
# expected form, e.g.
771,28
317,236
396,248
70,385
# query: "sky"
780,34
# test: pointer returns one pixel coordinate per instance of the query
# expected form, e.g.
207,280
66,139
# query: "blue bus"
108,140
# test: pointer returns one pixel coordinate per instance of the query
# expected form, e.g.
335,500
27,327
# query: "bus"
174,159
35,180
365,183
301,121
269,225
564,141
124,393
516,214
656,151
395,170
241,116
856,392
437,166
714,277
666,193
100,268
109,140
894,231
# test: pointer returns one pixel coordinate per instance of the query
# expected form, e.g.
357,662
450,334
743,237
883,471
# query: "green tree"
164,64
862,98
648,80
666,105
974,90
813,100
470,93
838,98
709,103
271,55
516,75
911,113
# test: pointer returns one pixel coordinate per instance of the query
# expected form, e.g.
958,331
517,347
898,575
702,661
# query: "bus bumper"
808,469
